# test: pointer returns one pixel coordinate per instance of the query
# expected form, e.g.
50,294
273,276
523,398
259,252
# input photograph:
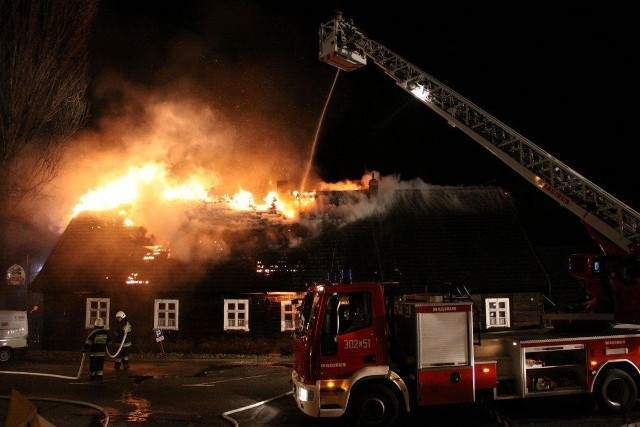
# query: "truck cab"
341,353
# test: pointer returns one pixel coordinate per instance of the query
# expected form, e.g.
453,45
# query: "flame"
188,192
151,181
126,190
242,200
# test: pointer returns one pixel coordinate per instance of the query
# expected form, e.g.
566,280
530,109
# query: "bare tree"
43,83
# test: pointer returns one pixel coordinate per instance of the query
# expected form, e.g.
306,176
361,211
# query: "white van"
14,330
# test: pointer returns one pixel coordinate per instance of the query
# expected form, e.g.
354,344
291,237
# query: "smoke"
211,101
221,107
187,137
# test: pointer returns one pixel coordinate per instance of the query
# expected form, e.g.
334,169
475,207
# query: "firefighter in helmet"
96,345
123,339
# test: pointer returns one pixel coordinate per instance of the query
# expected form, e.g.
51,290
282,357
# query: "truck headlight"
305,395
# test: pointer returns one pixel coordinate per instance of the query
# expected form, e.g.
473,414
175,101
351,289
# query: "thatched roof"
423,238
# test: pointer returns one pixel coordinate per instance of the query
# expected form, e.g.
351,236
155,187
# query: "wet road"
249,392
162,392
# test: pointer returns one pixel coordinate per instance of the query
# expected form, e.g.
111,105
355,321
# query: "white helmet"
99,323
120,315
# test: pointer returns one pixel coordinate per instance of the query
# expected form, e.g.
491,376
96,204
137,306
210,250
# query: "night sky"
561,74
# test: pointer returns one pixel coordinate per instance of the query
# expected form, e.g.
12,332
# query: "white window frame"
166,310
102,307
497,312
233,313
287,316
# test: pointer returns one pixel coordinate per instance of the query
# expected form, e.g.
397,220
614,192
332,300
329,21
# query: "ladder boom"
345,46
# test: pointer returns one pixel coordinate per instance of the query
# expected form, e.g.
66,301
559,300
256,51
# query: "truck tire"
6,354
615,391
374,405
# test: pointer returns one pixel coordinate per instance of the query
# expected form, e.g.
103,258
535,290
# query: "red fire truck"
359,349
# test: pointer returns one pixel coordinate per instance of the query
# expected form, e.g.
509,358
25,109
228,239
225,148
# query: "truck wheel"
615,392
5,354
375,405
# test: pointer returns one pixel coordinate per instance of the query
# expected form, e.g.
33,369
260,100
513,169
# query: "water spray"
315,138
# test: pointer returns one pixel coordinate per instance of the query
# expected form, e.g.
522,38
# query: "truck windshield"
308,312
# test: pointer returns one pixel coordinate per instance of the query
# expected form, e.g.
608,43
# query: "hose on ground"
84,356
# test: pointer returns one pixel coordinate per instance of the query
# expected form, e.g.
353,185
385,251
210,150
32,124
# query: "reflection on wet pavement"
141,411
142,407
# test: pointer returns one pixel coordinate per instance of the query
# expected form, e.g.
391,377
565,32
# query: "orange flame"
152,180
152,183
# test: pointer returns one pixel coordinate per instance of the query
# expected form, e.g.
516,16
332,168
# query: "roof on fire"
423,238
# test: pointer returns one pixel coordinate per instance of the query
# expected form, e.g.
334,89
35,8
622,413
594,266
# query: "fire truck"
361,350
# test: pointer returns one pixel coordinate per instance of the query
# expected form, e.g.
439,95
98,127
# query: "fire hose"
113,356
84,356
105,414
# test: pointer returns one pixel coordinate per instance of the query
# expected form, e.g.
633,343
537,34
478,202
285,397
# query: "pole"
26,285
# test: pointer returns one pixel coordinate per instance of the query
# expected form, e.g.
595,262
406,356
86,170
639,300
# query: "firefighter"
123,339
96,345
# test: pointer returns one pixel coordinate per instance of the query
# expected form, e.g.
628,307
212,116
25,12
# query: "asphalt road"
239,392
182,392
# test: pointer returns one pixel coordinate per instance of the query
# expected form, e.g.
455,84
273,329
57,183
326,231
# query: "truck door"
445,354
349,340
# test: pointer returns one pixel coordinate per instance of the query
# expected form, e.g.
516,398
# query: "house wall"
527,309
63,322
200,321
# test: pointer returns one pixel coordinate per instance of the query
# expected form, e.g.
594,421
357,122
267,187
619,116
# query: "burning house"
248,266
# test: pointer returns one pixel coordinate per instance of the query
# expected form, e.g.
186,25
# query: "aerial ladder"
613,225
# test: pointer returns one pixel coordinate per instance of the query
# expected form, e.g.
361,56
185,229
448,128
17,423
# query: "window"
165,314
287,316
497,310
345,313
236,315
354,311
307,312
97,307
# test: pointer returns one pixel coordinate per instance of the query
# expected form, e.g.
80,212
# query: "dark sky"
561,73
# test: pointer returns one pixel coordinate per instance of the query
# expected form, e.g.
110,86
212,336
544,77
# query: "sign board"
16,275
159,335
